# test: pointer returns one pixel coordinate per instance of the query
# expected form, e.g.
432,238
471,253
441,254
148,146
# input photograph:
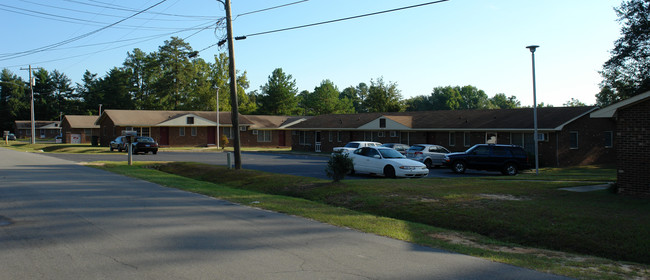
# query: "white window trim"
181,131
380,134
193,131
265,136
338,136
393,133
452,139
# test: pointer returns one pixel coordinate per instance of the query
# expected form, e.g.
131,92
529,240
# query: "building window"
517,139
609,139
242,128
255,132
452,139
382,123
380,134
301,137
181,131
264,136
491,137
466,139
193,130
573,139
330,137
88,131
190,120
144,131
338,136
228,132
393,133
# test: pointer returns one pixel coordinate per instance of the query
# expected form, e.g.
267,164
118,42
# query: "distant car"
387,162
430,155
144,144
11,136
118,144
401,148
351,146
508,159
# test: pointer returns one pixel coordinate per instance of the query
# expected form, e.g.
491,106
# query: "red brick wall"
633,149
591,143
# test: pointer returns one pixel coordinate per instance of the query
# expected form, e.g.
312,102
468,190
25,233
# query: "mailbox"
129,135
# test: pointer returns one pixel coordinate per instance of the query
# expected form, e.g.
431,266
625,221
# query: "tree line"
175,78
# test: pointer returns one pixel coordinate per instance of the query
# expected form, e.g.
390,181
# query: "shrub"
338,166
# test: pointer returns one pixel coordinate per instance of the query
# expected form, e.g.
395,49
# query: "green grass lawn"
520,221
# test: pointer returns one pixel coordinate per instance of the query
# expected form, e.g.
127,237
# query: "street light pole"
218,139
532,52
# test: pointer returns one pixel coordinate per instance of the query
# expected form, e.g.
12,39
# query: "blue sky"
458,42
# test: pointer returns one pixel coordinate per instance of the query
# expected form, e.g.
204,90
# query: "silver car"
430,155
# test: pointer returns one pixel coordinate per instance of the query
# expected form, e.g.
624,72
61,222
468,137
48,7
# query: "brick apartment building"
567,135
632,118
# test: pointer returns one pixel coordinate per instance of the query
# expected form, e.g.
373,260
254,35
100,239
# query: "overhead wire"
341,19
67,41
101,14
133,10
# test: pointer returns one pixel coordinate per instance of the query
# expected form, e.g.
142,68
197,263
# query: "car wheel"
459,167
389,171
154,152
111,149
510,169
428,163
119,149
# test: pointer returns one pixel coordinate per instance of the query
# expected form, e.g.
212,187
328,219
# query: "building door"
281,138
211,135
164,136
317,141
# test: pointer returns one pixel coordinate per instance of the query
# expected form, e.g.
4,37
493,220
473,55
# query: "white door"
75,138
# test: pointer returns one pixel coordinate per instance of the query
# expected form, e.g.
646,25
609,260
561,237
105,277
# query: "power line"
112,7
98,14
271,8
64,42
341,19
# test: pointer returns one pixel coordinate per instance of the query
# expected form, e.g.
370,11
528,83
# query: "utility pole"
233,86
31,88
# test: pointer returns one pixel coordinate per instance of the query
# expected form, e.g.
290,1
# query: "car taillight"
418,153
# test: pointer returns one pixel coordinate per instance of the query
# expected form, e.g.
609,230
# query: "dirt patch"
586,263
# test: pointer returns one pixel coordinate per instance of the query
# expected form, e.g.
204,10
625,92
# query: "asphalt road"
301,165
60,220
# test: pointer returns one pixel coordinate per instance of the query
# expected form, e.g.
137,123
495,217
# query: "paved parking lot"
283,163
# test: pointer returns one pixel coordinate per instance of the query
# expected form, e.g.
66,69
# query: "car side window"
482,151
500,152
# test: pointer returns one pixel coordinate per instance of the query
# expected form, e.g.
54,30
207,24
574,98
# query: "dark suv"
508,159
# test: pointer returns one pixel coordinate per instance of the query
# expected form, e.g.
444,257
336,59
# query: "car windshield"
352,145
390,153
144,139
416,148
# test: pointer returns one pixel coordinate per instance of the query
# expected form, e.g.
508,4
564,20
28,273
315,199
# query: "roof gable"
80,121
391,123
187,120
610,111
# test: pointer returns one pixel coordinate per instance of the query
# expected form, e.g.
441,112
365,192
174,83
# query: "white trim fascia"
181,121
561,127
610,111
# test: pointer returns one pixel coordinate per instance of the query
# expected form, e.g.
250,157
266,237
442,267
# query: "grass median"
596,235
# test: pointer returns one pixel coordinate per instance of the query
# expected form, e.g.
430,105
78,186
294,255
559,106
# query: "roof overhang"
610,111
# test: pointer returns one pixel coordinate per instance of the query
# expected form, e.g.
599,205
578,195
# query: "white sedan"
387,162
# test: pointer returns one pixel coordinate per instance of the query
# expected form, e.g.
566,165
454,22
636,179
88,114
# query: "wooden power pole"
233,87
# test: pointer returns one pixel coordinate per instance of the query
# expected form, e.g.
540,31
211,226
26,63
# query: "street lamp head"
532,48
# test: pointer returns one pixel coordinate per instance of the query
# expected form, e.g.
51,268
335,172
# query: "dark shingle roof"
549,118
